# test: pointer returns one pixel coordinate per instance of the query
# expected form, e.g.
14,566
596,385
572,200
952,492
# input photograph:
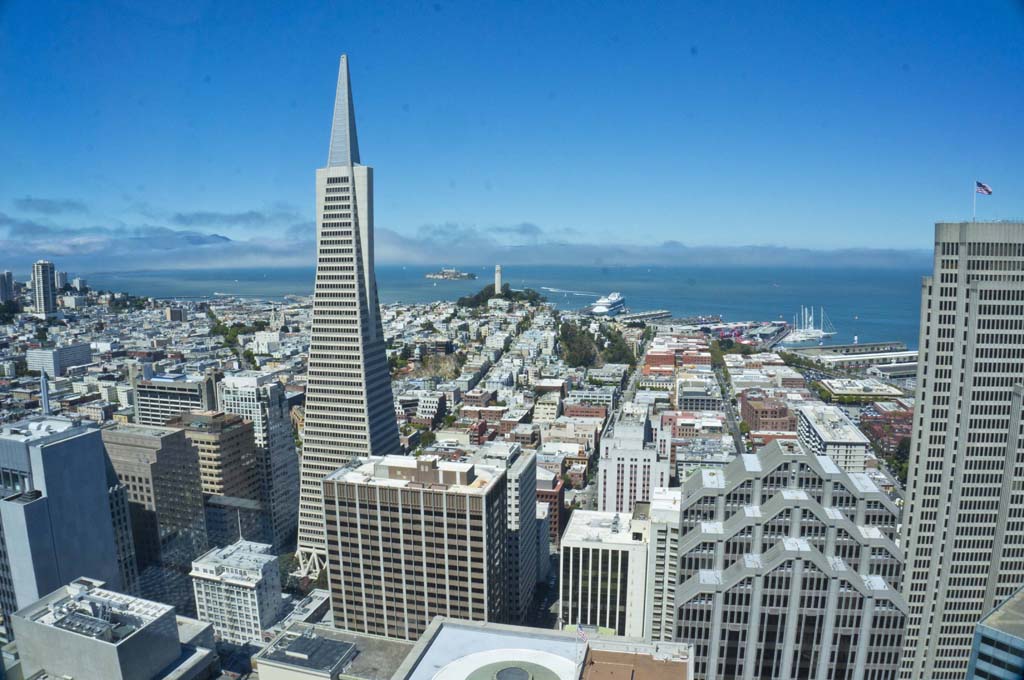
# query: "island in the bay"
451,274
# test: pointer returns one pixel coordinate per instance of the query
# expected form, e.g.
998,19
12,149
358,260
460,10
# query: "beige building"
227,452
413,538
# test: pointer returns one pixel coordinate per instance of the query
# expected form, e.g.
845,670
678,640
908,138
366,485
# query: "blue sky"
137,136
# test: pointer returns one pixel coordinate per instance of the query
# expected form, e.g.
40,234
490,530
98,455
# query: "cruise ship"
610,305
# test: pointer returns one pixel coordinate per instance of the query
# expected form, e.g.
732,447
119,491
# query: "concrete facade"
349,405
961,529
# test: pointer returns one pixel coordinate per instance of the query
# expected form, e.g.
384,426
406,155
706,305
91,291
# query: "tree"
9,311
744,428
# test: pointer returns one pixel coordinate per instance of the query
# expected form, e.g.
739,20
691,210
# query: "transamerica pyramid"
349,405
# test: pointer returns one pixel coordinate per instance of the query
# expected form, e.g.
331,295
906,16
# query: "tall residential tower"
964,520
349,405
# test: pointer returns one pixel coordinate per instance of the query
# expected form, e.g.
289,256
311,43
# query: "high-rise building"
6,286
604,572
86,631
260,398
349,406
60,279
521,558
789,568
630,464
44,295
238,590
160,469
962,527
166,396
55,516
411,538
227,452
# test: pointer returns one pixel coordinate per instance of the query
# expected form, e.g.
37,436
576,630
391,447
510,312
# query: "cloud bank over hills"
70,233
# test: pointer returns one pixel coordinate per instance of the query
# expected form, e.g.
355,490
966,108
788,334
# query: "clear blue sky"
134,131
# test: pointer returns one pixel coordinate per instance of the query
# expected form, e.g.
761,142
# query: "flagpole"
974,207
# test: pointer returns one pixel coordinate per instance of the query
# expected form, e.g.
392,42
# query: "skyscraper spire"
344,148
350,410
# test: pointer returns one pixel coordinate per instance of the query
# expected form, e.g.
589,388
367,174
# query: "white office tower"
630,464
349,405
238,590
962,526
60,279
497,279
44,296
604,573
788,568
260,398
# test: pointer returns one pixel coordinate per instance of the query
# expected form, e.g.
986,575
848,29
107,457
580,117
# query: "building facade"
238,590
160,469
56,509
227,452
962,524
349,405
827,431
166,396
998,649
604,573
260,398
413,538
789,568
522,558
44,295
57,360
630,464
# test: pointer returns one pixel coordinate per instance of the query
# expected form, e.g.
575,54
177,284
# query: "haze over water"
873,304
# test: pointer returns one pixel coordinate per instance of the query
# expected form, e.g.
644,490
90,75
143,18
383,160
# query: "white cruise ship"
610,305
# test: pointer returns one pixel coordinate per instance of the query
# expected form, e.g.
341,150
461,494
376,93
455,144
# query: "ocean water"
871,304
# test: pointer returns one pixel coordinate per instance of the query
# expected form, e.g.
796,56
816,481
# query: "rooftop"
611,528
328,651
1008,617
831,424
85,608
513,652
241,561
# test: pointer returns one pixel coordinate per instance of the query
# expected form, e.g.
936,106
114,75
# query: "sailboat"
805,330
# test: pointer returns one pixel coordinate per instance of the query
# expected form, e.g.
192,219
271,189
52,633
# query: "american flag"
982,188
581,635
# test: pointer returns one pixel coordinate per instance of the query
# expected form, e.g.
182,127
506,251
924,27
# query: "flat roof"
326,650
1008,617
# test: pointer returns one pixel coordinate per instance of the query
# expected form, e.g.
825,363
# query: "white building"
827,431
349,411
266,342
57,360
238,590
604,573
630,464
260,398
547,408
961,525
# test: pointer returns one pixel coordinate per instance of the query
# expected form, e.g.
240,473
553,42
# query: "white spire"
344,148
